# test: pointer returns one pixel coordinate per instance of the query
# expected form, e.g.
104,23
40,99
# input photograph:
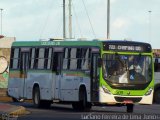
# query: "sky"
43,19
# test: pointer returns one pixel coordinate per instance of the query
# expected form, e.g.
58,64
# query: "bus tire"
130,108
83,104
157,96
76,106
46,103
36,97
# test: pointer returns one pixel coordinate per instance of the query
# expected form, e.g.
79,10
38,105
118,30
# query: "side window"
32,58
86,58
48,58
15,58
73,59
66,58
79,58
41,58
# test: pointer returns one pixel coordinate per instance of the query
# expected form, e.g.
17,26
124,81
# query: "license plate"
128,101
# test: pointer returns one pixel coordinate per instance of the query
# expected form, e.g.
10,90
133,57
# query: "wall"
5,47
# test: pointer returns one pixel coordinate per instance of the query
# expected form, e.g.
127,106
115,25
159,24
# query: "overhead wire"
89,19
45,23
79,28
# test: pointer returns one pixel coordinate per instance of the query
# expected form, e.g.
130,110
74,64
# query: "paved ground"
65,112
8,110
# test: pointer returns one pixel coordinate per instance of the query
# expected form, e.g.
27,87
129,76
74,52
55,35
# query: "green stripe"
33,71
57,43
75,73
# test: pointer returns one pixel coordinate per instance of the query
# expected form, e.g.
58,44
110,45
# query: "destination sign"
127,47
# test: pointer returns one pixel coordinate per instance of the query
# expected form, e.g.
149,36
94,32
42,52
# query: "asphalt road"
65,112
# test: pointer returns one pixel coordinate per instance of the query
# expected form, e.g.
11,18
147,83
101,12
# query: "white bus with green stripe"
83,73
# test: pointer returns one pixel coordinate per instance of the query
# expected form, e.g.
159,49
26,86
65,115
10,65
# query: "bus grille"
122,99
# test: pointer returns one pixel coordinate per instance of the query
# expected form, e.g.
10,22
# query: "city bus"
82,73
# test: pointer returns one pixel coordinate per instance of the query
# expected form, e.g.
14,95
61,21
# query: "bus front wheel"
38,103
157,96
15,99
130,108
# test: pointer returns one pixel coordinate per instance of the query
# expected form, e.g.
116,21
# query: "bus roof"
56,43
75,43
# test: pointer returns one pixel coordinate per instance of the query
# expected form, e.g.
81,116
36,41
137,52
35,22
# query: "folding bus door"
23,73
94,78
57,69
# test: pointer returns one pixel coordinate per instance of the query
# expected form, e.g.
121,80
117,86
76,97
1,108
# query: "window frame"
18,58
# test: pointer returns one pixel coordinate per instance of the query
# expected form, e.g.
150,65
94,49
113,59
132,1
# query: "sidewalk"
8,110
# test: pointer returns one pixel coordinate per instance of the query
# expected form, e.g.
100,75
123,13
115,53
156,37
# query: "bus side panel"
14,87
68,88
70,85
44,80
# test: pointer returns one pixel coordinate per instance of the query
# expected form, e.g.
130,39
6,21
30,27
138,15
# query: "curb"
14,112
20,111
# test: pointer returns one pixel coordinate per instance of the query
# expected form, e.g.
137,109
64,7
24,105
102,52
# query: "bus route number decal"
50,43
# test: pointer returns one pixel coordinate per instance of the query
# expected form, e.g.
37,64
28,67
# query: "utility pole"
149,28
108,19
1,19
70,19
64,19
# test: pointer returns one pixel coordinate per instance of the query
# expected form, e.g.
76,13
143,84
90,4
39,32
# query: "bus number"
119,92
112,47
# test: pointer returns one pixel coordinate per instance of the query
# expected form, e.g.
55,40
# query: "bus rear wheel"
83,104
130,108
36,97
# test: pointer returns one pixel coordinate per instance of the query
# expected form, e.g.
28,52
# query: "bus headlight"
106,90
149,91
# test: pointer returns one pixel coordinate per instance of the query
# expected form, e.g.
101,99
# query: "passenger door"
58,57
24,65
94,78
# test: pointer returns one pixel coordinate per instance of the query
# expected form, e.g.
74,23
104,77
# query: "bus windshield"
131,69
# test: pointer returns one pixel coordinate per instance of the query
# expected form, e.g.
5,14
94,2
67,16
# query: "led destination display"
120,46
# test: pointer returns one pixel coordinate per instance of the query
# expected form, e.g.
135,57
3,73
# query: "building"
5,47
